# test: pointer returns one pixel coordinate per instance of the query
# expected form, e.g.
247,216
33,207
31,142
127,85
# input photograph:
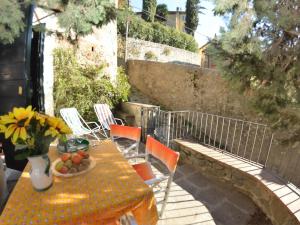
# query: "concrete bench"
278,200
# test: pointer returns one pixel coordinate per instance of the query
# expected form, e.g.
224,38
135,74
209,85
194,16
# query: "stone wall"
186,87
101,46
178,87
146,50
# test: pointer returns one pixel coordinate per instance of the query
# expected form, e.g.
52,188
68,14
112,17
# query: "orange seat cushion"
144,170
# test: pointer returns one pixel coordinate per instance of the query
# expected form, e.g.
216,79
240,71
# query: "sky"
209,25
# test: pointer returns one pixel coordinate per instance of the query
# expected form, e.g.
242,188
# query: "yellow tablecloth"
104,193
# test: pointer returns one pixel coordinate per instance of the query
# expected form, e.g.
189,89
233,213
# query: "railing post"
169,128
142,125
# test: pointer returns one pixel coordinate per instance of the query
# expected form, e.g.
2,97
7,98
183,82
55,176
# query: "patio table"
99,196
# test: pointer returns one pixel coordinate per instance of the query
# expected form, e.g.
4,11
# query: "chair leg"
103,131
137,150
166,196
95,135
137,147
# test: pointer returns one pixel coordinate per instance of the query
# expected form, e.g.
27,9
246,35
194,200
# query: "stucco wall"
162,53
183,87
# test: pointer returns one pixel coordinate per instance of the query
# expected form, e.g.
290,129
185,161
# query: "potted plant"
32,132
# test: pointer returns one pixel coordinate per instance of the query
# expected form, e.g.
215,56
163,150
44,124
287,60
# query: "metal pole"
126,40
269,150
142,120
169,129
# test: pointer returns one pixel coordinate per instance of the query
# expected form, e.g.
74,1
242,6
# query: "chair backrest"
104,115
163,153
73,119
132,133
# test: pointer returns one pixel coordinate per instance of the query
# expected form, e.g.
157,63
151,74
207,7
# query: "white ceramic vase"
40,174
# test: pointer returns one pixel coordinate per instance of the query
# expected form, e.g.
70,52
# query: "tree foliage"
11,21
161,13
155,32
192,19
149,10
260,49
76,17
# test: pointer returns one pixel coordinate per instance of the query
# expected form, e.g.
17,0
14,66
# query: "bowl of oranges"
73,164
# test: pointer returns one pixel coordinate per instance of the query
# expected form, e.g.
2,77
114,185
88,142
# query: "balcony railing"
246,140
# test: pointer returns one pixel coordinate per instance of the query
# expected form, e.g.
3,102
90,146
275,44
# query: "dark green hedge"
155,32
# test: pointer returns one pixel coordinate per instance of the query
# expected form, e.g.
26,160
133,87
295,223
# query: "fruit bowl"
73,164
73,145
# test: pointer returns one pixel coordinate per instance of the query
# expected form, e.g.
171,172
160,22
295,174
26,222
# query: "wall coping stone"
139,104
283,195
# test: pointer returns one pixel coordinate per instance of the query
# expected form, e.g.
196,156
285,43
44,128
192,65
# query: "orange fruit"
65,157
81,153
76,159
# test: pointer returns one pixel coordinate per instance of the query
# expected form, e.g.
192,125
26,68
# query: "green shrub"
134,51
166,51
154,32
150,56
122,86
83,86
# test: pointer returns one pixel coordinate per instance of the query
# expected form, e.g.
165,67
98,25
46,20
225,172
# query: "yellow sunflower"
2,128
52,131
57,127
41,118
16,123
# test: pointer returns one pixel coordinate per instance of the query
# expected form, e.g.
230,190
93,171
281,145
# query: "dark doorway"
37,59
21,78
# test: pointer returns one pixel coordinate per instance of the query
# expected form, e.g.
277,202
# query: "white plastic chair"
78,125
105,117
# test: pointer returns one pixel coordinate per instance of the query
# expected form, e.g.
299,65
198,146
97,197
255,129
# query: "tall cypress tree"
161,13
149,10
192,19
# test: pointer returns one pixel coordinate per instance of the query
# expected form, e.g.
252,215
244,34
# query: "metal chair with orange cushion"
127,132
168,157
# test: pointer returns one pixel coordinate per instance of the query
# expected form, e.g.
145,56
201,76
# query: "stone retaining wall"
274,197
146,50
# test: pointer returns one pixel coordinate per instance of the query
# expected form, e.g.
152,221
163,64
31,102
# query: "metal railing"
244,139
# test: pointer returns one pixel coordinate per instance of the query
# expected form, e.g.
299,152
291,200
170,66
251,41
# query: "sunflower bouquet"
31,132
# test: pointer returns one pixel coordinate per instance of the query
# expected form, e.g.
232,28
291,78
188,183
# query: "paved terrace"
196,199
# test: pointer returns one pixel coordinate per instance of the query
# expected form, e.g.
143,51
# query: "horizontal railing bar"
210,114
